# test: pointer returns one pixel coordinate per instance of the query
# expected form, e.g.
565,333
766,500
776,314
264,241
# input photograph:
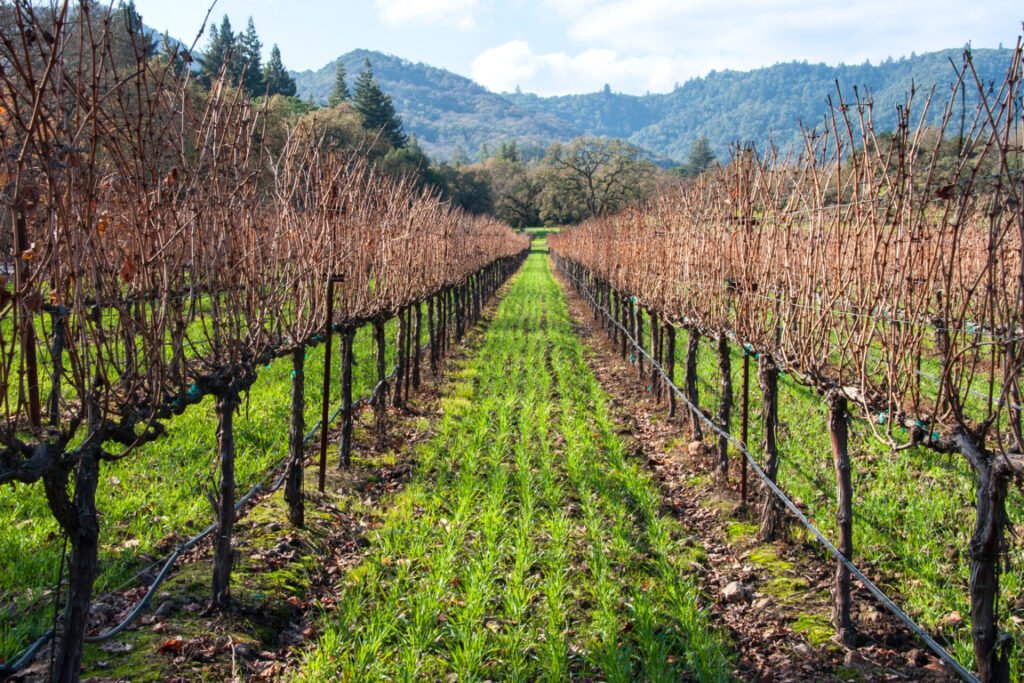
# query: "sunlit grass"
529,546
913,510
158,491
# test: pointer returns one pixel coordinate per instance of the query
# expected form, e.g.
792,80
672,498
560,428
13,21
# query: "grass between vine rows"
155,498
913,510
529,545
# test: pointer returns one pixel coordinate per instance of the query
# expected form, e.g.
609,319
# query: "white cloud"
749,33
458,13
569,8
513,64
640,45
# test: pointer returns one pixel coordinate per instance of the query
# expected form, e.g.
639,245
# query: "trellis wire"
887,602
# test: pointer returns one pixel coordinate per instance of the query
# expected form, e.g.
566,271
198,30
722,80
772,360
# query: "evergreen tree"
376,108
340,93
130,41
459,156
220,51
701,157
174,53
276,78
509,151
250,57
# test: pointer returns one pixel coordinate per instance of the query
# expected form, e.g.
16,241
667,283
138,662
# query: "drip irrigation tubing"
23,660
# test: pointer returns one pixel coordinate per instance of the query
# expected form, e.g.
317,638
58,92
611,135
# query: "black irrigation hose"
23,660
939,651
30,652
8,669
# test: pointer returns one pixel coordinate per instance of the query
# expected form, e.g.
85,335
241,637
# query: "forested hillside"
451,115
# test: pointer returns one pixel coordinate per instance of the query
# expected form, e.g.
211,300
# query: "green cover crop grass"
529,546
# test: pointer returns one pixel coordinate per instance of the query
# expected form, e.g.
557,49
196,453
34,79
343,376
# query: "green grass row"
158,491
529,545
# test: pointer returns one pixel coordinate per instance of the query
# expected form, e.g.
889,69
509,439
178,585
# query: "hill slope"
445,110
441,108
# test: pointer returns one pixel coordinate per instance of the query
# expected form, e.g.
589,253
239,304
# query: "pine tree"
250,60
220,51
130,42
340,93
701,157
376,108
174,53
276,78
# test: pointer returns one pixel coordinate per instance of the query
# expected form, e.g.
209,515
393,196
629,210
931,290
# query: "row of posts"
617,312
447,316
993,471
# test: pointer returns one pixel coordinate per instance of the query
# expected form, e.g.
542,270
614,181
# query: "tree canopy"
277,80
376,108
340,93
238,57
592,177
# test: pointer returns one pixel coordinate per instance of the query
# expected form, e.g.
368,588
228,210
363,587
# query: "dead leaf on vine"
102,224
128,270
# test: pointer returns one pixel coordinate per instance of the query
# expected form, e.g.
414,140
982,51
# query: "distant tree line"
238,57
521,183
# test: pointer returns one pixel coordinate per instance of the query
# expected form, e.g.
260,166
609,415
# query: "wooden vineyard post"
417,344
653,386
326,400
670,368
432,334
692,392
460,312
744,426
380,393
58,318
348,338
24,317
725,404
407,353
662,349
227,402
638,321
442,324
768,377
613,330
838,418
296,432
626,321
403,331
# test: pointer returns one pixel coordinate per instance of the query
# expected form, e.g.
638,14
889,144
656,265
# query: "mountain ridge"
452,115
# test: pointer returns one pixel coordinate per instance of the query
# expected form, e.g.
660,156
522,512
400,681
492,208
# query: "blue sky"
567,46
